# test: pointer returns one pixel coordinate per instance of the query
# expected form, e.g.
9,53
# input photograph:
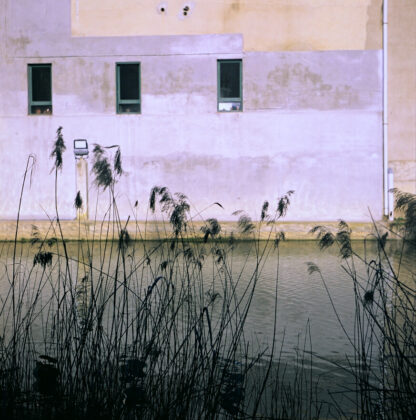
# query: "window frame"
31,102
237,99
120,101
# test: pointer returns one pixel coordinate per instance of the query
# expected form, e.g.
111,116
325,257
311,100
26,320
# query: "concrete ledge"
74,230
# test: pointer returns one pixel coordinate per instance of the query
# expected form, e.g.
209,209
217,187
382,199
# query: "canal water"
310,317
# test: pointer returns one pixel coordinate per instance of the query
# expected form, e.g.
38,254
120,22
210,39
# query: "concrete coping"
73,230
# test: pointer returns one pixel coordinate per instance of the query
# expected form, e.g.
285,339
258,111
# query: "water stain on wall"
186,163
18,44
106,90
231,12
235,6
296,85
181,79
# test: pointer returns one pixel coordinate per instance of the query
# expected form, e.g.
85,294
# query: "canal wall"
156,230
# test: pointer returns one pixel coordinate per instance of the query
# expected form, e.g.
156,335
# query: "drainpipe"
391,195
385,115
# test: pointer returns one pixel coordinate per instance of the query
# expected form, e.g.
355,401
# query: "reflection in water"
305,317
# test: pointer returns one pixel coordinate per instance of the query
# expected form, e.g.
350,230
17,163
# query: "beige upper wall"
267,25
402,93
402,80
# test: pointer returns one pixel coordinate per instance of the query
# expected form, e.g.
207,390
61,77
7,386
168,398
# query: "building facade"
232,101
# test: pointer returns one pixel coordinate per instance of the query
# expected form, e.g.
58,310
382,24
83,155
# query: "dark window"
128,87
230,96
40,88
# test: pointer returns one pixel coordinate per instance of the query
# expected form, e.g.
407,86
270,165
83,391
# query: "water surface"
315,313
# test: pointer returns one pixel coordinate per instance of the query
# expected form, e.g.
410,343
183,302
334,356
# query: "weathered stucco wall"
330,159
277,25
311,121
402,93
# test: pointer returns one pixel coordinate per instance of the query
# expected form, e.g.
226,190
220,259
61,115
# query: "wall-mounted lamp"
80,148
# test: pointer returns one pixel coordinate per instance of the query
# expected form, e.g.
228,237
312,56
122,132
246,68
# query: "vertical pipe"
391,195
385,107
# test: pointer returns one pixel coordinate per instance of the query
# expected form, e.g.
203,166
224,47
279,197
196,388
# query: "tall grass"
115,327
384,337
